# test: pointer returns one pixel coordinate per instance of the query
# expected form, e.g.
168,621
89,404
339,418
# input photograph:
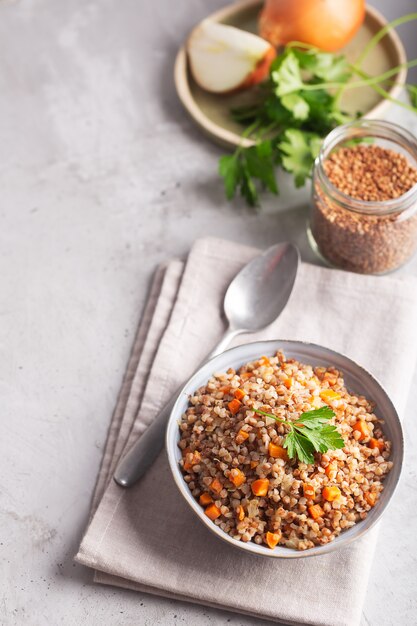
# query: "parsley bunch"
294,110
310,433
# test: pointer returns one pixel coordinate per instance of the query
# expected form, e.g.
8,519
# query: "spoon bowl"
260,291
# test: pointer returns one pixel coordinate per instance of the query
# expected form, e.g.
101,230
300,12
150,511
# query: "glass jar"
370,237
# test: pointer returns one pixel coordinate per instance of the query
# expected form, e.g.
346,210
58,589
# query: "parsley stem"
382,92
274,417
374,80
381,33
250,129
246,135
371,43
300,44
266,129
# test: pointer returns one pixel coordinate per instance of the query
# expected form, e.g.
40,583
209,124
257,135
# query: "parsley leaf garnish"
287,122
246,167
316,417
324,65
287,75
299,149
229,169
310,433
297,105
299,446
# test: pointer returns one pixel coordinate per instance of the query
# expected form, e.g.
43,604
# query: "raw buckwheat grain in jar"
364,209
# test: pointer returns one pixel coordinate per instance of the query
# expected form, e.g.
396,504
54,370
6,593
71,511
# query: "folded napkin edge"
206,243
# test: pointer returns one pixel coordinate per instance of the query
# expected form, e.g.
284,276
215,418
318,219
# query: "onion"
224,59
326,24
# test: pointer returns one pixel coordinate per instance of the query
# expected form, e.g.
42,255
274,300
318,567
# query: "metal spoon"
253,300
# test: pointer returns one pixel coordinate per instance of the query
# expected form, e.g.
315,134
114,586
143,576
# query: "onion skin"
325,24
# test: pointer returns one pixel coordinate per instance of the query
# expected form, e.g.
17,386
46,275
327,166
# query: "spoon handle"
142,454
134,464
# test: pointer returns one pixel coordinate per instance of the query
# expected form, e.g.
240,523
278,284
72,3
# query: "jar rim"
368,128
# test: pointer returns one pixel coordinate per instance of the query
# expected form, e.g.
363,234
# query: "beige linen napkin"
146,538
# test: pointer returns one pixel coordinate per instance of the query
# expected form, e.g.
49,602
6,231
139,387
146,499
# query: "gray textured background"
103,176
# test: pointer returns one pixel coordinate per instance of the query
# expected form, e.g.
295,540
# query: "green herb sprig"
309,433
294,110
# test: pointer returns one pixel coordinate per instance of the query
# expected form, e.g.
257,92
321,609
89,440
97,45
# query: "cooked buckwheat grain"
229,453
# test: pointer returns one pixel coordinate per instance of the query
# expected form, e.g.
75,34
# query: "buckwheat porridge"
308,464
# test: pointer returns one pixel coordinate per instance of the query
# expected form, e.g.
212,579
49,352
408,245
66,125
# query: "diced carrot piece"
362,427
246,375
260,487
225,390
237,477
234,406
254,464
189,462
205,499
272,539
328,395
264,361
277,452
331,470
309,491
377,443
371,498
288,382
331,493
216,485
241,436
212,511
240,511
315,511
239,394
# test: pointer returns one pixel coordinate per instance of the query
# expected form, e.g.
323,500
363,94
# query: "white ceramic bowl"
356,379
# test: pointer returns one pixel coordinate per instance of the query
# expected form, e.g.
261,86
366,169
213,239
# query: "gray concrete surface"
102,176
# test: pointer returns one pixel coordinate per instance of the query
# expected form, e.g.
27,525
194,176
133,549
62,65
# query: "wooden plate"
211,111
